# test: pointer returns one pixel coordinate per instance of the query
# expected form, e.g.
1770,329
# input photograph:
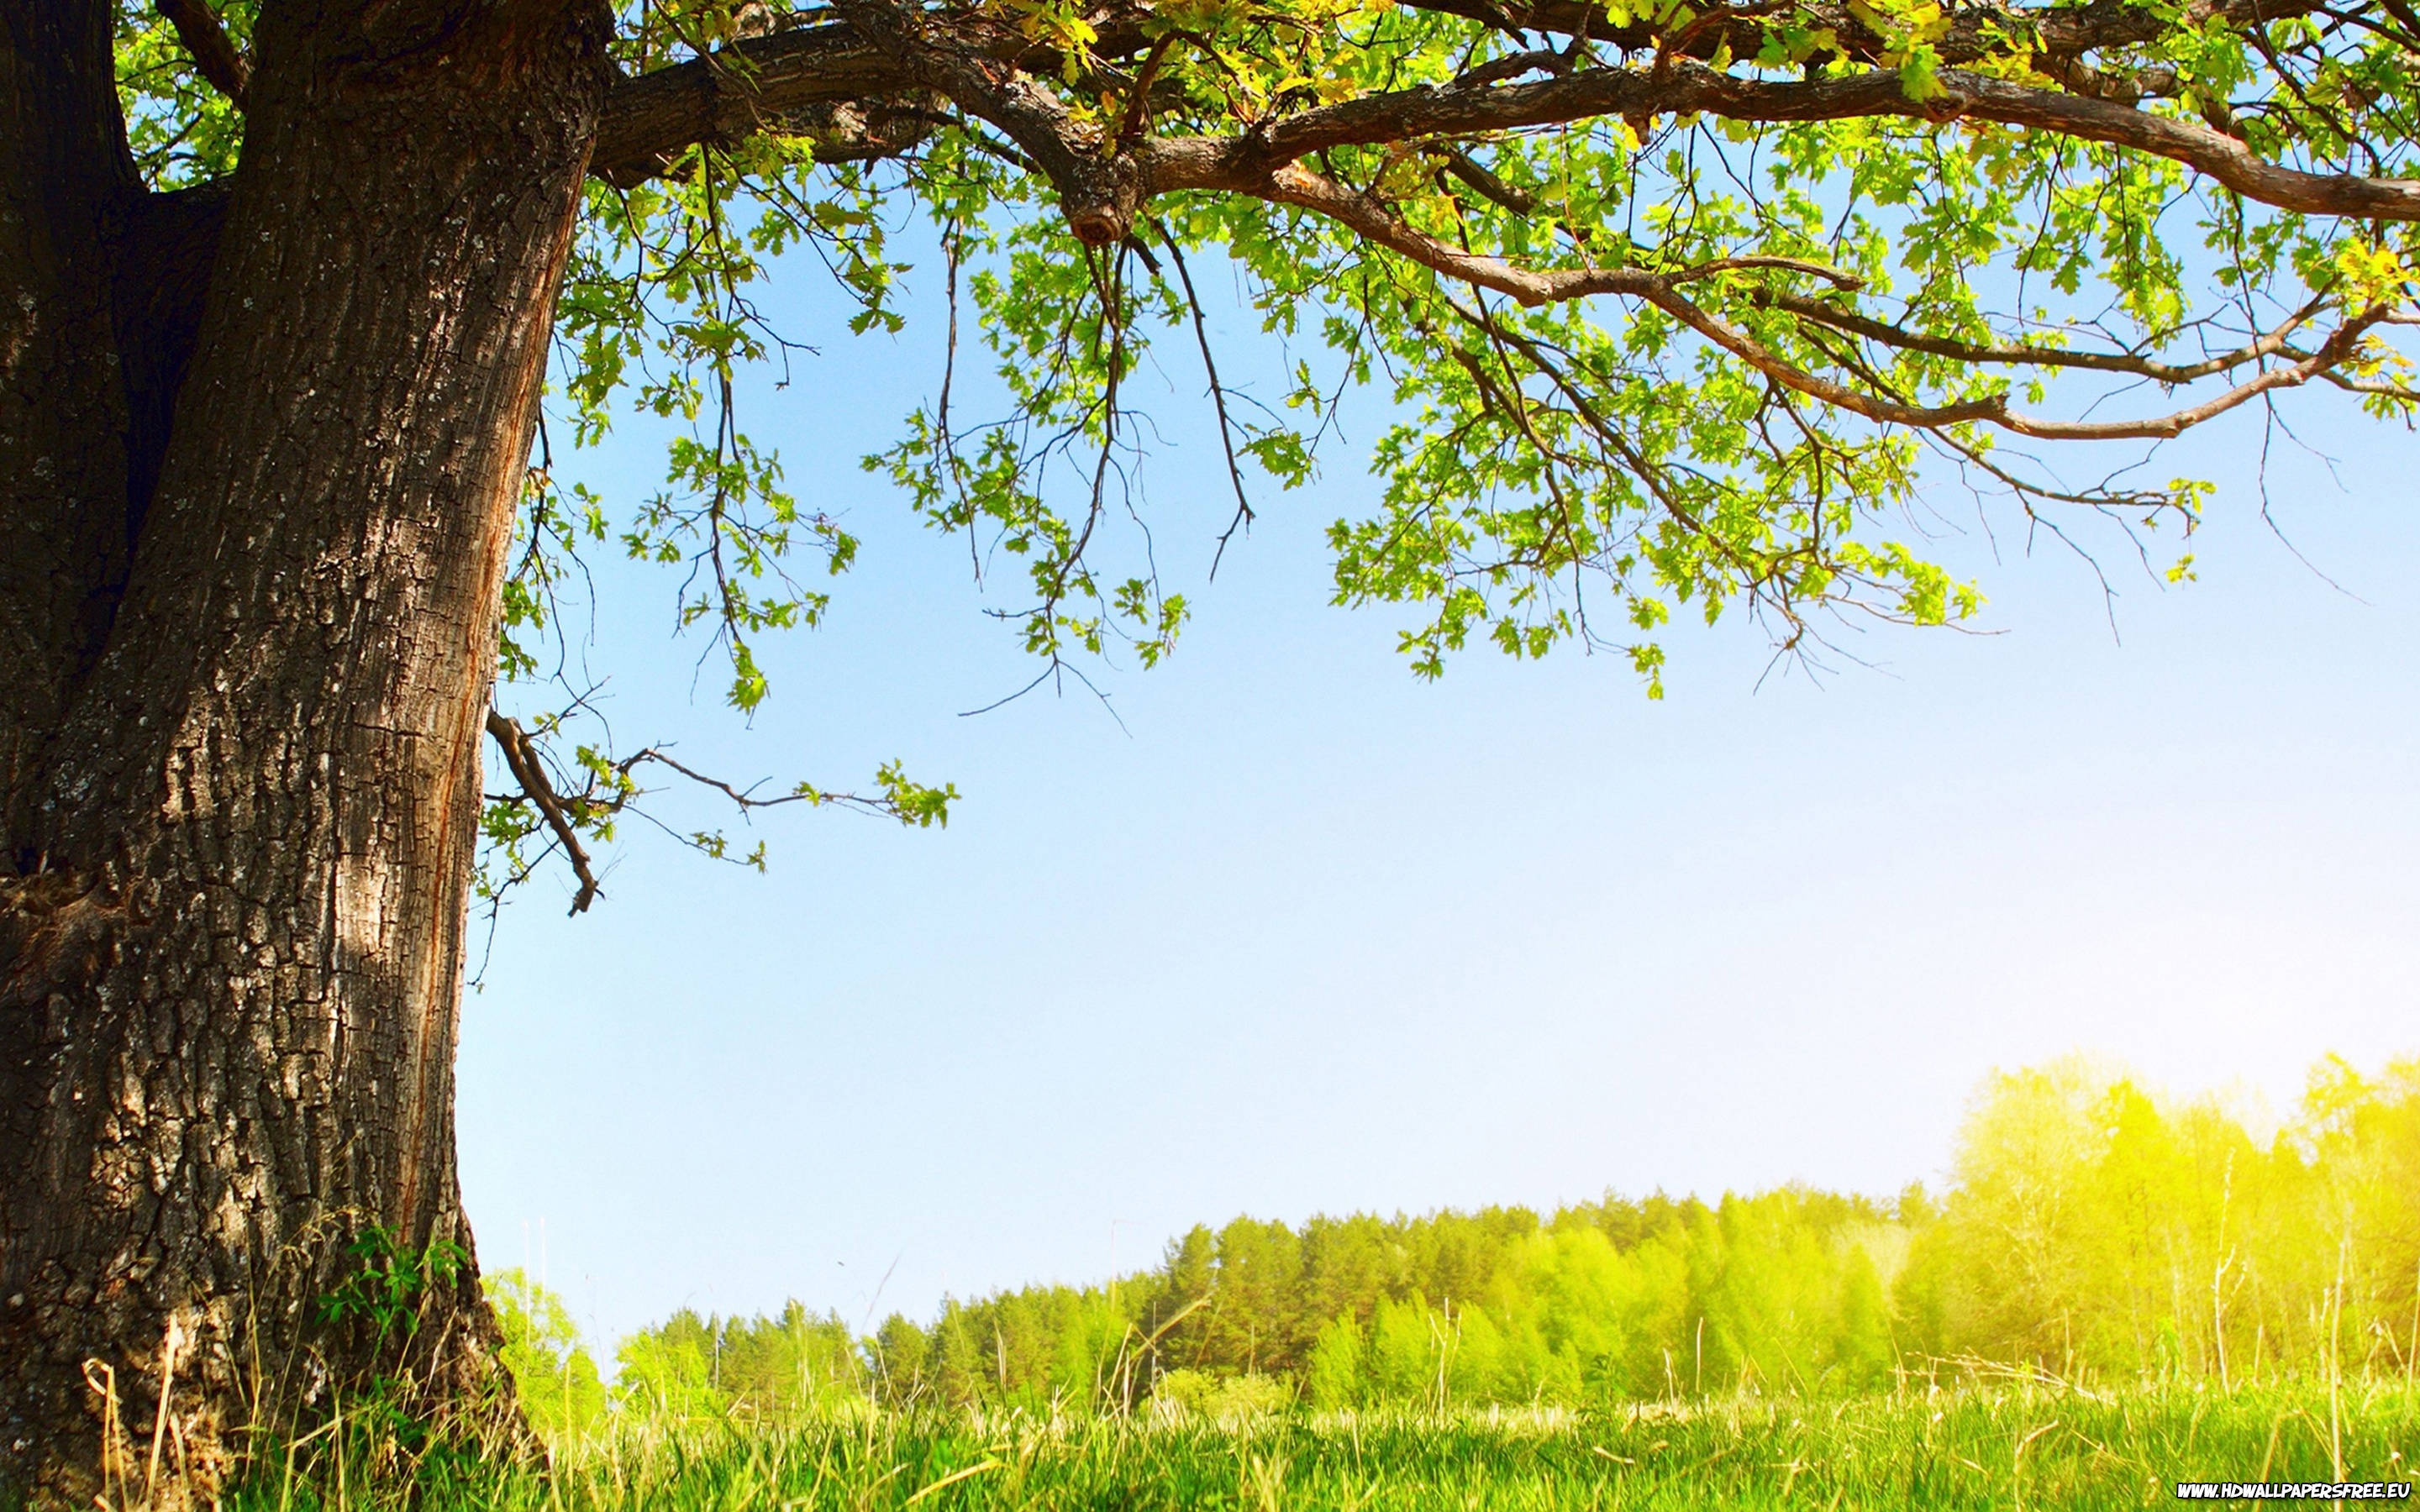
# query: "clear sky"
1295,932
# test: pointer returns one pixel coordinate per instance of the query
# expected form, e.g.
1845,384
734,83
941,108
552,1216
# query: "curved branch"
2340,345
1683,86
521,757
1373,219
2275,343
1100,188
1487,186
886,51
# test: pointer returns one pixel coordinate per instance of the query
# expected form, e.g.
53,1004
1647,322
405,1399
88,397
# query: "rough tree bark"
260,455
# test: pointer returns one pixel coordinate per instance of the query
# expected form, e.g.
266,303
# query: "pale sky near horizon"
1302,934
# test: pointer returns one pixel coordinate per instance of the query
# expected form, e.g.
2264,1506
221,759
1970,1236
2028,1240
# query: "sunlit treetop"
1676,308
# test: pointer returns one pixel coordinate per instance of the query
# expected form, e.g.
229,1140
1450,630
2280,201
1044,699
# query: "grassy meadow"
2010,1446
2112,1292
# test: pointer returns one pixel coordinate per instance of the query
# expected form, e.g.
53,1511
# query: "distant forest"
2089,1232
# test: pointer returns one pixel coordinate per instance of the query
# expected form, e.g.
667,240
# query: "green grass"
2017,1446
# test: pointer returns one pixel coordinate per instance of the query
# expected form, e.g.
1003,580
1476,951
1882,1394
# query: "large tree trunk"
260,454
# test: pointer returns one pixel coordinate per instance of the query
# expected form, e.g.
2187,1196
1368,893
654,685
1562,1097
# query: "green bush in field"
1229,1401
558,1383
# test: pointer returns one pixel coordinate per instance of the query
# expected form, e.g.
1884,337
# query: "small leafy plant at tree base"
385,1292
387,1289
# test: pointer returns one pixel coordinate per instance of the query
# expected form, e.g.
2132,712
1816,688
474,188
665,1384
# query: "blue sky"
1295,932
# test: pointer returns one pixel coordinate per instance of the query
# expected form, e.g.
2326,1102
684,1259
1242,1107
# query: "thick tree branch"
1683,86
1100,188
197,27
766,84
884,50
792,81
885,47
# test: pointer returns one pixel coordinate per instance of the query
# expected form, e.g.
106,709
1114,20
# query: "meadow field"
2012,1444
2113,1294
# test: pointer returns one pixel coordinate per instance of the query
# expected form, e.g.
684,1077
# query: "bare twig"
2270,343
1218,397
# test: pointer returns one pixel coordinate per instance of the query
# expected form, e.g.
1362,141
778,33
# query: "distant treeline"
2089,1232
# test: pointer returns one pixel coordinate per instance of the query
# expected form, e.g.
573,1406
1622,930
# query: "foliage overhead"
1679,307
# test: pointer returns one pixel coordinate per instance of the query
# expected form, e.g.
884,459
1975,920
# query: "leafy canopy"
1681,308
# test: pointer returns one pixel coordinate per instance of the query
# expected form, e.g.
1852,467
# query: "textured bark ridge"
259,452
